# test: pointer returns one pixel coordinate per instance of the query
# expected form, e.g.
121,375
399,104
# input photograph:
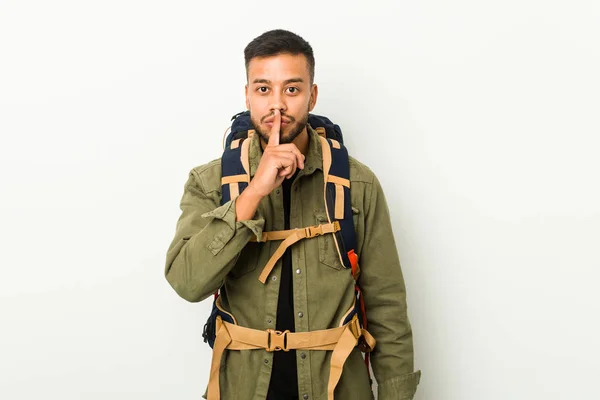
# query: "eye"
263,89
293,90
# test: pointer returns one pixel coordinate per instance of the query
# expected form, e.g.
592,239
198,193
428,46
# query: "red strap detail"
353,261
216,294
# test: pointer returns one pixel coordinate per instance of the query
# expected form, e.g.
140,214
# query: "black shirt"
284,378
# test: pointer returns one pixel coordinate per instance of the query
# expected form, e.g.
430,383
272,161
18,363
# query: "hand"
278,162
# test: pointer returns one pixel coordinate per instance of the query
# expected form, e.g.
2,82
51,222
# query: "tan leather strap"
338,180
234,178
326,150
341,352
234,190
368,343
339,201
235,144
289,238
243,338
315,230
245,154
234,337
339,194
222,341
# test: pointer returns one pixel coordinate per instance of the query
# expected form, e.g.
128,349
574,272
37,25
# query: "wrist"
252,194
246,204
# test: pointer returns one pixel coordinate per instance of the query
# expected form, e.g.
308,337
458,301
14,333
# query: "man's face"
280,82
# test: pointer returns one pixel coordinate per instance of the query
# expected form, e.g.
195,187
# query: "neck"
301,142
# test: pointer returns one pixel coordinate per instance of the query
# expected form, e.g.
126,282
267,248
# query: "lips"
272,119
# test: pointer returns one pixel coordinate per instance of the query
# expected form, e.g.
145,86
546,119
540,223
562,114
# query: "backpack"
236,177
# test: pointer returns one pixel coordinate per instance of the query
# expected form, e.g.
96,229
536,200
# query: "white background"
480,118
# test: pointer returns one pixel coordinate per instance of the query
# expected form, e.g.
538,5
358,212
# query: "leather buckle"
277,340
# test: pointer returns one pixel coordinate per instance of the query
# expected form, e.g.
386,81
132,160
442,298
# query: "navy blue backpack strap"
336,172
235,168
209,333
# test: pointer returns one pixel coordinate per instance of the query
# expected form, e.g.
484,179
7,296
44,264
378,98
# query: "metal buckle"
277,340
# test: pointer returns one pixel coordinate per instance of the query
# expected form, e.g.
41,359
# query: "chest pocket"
328,253
247,260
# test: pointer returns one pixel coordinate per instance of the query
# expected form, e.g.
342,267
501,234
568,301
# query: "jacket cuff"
226,214
401,387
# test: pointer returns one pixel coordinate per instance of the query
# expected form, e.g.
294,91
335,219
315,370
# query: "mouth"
283,123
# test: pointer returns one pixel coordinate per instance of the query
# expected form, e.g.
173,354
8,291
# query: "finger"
300,158
287,172
274,135
287,164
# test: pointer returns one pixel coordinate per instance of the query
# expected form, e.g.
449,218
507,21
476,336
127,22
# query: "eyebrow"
287,81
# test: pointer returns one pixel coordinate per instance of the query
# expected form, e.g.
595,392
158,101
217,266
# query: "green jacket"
211,249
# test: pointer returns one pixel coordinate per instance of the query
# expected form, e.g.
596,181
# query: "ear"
314,93
246,95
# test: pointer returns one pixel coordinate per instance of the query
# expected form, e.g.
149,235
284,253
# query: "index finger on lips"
274,134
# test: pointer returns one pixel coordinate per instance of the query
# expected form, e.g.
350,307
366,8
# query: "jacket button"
303,356
305,397
300,314
274,278
277,191
298,271
266,361
270,321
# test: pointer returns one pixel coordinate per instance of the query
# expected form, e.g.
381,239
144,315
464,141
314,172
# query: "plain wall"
481,119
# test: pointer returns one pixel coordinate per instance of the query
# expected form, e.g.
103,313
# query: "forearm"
247,204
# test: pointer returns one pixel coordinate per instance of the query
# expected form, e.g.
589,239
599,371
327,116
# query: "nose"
277,102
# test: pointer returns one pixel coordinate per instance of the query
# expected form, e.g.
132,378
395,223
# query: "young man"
219,246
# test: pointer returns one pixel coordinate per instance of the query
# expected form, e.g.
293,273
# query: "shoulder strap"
336,170
336,174
235,168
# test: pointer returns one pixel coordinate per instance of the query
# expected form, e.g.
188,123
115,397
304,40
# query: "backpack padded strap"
235,169
339,183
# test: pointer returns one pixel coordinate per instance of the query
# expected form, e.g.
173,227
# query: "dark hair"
279,41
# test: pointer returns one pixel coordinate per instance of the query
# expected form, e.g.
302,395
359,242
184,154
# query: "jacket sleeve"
207,241
383,288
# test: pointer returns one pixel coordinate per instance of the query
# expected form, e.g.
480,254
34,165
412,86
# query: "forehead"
278,68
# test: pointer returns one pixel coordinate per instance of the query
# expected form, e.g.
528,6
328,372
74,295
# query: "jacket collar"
314,157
